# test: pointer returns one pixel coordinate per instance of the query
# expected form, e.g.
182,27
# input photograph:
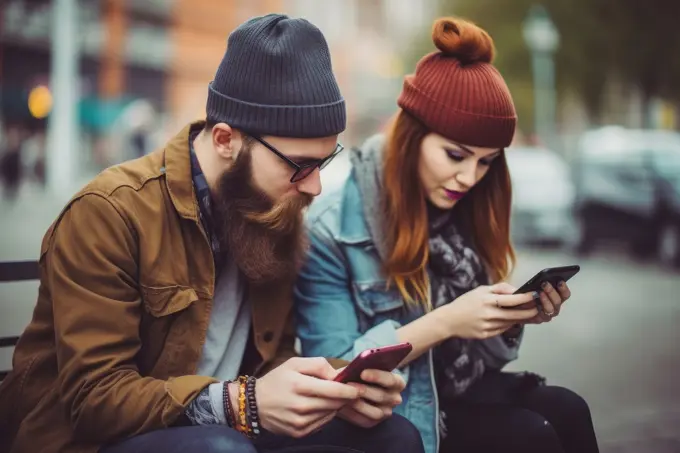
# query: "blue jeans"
395,434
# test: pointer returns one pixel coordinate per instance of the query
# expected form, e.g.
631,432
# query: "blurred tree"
646,47
601,41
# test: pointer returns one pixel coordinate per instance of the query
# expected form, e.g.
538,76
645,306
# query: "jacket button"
268,336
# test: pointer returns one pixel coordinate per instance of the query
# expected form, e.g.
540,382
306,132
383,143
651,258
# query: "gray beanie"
276,79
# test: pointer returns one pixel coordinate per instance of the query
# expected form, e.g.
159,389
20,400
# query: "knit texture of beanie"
457,92
276,79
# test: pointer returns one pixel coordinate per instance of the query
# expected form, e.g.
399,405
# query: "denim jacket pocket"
376,300
167,300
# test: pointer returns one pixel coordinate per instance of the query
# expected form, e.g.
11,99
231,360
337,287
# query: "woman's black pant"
544,419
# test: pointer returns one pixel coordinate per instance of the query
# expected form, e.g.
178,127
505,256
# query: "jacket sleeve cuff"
182,391
497,352
384,334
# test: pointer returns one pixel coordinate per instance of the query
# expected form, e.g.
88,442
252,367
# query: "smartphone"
553,275
386,358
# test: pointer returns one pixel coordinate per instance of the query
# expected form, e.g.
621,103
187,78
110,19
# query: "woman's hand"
486,311
551,302
380,394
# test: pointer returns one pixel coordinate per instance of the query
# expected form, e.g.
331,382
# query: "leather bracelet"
253,416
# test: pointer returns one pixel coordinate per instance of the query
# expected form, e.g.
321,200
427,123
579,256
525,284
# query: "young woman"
415,247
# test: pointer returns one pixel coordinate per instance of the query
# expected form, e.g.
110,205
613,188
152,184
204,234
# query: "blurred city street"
594,162
615,343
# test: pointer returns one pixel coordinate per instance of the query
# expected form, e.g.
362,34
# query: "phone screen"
553,275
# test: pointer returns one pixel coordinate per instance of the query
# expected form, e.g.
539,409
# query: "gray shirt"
224,346
229,326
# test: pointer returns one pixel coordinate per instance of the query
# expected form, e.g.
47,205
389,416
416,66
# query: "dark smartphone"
386,358
553,275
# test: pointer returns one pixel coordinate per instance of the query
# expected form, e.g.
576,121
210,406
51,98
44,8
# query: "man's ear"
223,141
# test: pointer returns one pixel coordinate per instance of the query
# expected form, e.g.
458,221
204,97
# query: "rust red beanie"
457,92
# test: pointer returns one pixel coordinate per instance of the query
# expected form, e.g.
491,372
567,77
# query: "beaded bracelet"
243,427
253,416
231,421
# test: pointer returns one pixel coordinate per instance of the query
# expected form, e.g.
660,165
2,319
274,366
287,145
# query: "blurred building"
124,52
144,66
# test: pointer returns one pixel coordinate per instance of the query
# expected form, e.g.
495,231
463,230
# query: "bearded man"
163,320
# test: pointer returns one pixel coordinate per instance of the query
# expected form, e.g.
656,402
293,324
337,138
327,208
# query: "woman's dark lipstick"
454,195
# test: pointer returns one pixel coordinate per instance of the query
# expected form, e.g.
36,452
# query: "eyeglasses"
305,169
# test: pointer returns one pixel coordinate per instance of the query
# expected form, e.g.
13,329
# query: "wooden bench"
16,271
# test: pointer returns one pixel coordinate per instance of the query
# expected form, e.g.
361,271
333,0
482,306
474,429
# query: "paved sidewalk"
24,221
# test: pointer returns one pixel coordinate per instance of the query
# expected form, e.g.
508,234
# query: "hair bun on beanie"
457,92
463,40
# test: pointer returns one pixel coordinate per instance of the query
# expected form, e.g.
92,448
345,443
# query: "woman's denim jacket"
344,308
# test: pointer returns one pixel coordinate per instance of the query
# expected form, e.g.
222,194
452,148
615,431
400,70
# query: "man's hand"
377,401
299,397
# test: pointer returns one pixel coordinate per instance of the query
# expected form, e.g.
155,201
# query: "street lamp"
542,39
62,127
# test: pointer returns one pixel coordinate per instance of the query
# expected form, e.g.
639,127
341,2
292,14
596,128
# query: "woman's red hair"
483,215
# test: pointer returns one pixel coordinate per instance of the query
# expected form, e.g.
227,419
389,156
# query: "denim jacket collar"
353,227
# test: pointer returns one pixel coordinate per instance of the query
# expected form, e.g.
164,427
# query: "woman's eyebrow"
465,148
459,147
468,150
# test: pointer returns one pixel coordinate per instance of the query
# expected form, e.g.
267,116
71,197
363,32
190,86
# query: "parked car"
627,191
668,244
542,197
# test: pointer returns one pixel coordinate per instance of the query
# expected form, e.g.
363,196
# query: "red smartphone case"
386,358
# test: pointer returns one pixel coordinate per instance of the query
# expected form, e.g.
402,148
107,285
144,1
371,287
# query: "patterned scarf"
454,269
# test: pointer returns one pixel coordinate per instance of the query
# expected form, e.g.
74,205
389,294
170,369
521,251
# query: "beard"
266,239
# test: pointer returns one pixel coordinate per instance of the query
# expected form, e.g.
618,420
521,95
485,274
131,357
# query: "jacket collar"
353,225
178,173
364,188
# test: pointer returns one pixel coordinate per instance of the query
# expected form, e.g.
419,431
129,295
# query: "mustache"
284,216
